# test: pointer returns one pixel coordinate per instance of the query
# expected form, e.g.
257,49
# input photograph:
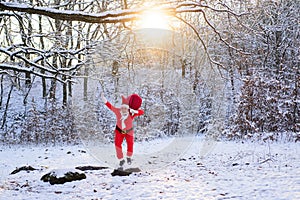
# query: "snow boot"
129,160
122,162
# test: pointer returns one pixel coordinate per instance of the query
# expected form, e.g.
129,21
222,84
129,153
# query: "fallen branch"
267,160
24,168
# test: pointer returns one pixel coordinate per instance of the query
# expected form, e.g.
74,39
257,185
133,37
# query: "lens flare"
154,19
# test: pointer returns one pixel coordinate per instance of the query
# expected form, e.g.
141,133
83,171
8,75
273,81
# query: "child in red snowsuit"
124,127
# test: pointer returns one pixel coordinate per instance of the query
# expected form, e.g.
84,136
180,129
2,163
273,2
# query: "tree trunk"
6,107
85,83
183,67
25,40
57,30
65,92
44,84
53,81
69,82
1,91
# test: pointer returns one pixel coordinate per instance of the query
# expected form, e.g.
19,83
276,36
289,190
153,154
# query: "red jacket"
128,121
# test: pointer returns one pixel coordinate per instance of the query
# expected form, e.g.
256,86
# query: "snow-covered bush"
268,104
51,126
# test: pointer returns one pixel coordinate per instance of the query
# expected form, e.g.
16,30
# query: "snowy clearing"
229,170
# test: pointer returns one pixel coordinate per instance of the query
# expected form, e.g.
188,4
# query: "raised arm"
103,98
108,104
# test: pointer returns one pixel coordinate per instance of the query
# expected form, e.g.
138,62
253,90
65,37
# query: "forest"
225,69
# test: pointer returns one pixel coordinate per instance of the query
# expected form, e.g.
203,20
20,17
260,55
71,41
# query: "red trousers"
119,138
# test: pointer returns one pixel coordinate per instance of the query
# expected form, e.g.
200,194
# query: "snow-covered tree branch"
107,16
104,17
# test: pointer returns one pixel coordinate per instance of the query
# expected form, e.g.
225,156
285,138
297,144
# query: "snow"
207,170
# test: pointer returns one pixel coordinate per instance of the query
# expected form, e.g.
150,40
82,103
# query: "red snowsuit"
119,136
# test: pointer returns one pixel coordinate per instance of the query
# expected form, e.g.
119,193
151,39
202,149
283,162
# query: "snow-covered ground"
207,170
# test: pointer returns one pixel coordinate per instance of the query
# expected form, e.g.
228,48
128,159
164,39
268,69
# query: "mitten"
103,98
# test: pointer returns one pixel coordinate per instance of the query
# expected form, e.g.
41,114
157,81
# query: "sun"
154,19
